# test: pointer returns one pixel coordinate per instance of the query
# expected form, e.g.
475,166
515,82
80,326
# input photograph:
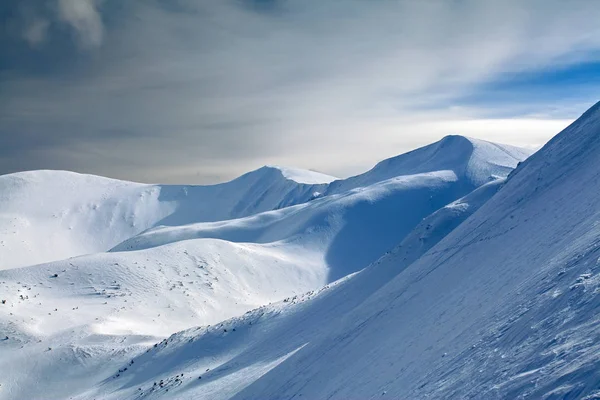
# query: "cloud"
36,22
35,31
204,90
84,18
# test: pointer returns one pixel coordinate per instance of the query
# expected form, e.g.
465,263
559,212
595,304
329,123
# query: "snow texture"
431,275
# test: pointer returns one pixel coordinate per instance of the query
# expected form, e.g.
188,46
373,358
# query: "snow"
303,176
262,337
52,215
499,308
477,161
151,260
349,230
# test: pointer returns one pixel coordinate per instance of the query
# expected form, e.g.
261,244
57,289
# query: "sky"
201,91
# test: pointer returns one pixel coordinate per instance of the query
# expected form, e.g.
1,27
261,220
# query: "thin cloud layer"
83,16
201,91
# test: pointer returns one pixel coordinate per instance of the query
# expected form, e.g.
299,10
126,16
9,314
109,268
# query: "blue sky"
556,91
199,91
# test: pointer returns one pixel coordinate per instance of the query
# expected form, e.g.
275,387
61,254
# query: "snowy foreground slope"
72,324
218,361
505,305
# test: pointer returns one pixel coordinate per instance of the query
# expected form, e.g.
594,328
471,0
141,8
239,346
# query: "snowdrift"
184,256
52,215
505,306
472,160
493,296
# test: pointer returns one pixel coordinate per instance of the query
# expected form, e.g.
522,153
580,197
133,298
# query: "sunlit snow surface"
271,262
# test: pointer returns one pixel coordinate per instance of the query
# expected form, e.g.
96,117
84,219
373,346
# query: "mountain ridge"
104,309
508,297
461,154
88,213
503,304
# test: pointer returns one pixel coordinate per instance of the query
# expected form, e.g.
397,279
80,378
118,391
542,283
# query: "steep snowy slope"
52,215
504,306
101,309
233,354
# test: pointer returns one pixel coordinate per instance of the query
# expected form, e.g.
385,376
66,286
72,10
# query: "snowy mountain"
184,256
472,160
231,355
53,215
505,305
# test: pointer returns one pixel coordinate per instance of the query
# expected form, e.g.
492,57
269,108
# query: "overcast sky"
200,91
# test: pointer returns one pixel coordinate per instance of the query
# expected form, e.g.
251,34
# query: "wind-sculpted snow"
502,304
350,230
218,361
184,256
52,215
505,306
475,161
302,175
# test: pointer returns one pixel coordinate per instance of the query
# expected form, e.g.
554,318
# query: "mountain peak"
477,160
298,175
303,175
456,139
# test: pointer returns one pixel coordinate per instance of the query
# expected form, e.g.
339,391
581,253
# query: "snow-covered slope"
175,278
229,356
195,255
52,215
350,230
505,305
473,160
